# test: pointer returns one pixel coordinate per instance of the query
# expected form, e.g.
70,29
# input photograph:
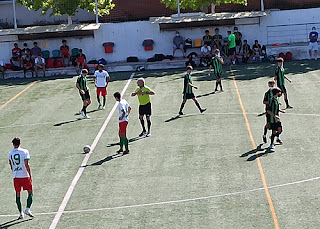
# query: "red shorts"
24,183
102,91
123,127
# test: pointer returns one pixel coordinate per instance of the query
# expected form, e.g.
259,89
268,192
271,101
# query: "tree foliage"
69,7
198,4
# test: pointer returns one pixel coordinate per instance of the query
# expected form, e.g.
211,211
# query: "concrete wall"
128,36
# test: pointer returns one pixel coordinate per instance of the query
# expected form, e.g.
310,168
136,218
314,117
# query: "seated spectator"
256,50
64,49
28,65
81,60
35,51
225,50
2,68
178,43
40,64
207,39
264,51
205,54
25,51
217,38
246,51
15,62
238,36
16,51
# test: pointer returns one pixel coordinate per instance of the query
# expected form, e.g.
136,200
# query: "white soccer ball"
86,149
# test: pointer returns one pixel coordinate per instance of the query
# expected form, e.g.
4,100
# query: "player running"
279,77
273,110
187,91
84,92
144,93
216,63
19,164
124,111
101,81
266,100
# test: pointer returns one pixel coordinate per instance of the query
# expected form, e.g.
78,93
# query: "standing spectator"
35,51
15,62
25,51
232,46
2,68
28,65
246,51
178,43
225,50
64,49
238,36
40,64
81,60
217,38
313,44
205,54
207,39
256,50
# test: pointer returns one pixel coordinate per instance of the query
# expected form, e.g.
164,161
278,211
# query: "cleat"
21,216
203,110
82,113
99,107
148,134
271,146
120,151
103,108
289,107
264,138
29,213
78,113
180,113
222,90
86,117
279,141
126,152
143,133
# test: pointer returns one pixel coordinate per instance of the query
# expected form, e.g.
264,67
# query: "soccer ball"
86,149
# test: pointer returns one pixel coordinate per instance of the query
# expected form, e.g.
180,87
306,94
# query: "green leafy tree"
69,7
199,4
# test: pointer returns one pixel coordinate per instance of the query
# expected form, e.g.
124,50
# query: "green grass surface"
187,157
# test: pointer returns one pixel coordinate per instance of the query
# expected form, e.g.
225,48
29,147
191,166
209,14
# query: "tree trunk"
69,20
213,8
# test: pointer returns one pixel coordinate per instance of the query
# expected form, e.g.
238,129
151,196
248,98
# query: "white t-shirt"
206,50
101,78
41,61
17,156
2,63
123,106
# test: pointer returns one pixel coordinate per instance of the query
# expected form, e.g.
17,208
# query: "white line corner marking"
85,160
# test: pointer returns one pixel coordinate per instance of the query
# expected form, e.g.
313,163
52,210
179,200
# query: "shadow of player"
13,222
109,158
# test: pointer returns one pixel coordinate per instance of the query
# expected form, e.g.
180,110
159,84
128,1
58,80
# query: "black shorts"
275,126
232,51
188,96
145,109
268,121
283,88
238,42
85,96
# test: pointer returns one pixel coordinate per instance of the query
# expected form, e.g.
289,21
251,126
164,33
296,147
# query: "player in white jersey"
101,81
124,111
19,163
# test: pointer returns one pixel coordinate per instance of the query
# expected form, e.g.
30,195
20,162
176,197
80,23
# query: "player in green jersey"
216,63
279,77
84,92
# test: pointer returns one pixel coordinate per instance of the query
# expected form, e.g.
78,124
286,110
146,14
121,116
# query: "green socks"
126,143
18,203
29,200
121,143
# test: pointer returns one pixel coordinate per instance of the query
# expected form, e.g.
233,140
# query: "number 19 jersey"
17,156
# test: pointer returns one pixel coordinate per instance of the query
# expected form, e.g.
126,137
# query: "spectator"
238,36
35,51
256,50
313,44
16,51
217,38
2,68
205,54
81,60
25,51
40,64
15,62
178,43
207,39
64,49
232,47
246,51
28,65
225,50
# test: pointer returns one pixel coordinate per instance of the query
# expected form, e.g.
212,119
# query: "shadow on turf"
13,222
255,154
67,122
130,140
109,158
180,116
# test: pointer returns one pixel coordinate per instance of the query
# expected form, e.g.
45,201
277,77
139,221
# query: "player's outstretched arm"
133,94
10,165
129,110
290,81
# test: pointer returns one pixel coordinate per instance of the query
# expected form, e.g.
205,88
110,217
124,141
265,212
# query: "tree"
69,7
198,4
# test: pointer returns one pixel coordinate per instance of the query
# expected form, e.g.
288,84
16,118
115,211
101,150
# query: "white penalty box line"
85,161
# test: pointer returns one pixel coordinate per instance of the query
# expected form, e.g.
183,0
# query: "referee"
144,93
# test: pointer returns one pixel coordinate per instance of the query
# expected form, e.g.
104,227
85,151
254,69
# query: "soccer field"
205,170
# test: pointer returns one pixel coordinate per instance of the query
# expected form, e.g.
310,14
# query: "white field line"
85,160
176,201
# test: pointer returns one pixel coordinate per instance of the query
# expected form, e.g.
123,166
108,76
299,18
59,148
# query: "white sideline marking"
175,201
85,160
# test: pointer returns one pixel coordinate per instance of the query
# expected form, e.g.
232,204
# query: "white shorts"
313,46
